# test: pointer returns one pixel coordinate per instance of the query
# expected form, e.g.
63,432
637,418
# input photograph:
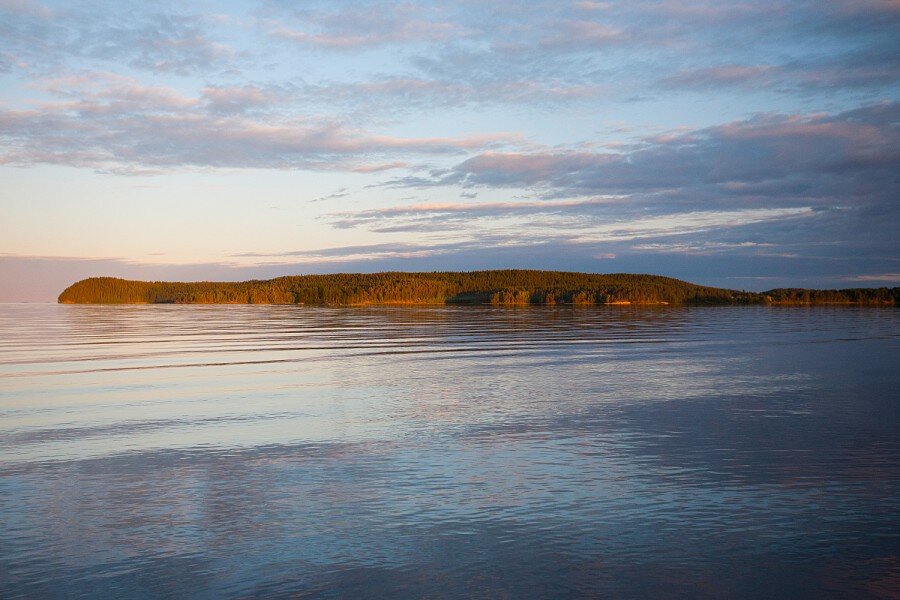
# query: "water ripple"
273,451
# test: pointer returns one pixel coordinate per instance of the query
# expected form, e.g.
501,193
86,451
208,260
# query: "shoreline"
622,304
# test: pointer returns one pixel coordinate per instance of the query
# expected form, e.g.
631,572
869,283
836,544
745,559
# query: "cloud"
439,208
699,248
26,7
582,34
891,278
112,123
239,99
851,157
618,50
721,75
153,41
410,31
875,67
162,44
10,62
819,187
359,252
341,193
391,94
377,167
358,26
447,54
570,221
685,223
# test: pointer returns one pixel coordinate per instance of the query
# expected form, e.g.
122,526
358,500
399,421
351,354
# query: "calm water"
229,451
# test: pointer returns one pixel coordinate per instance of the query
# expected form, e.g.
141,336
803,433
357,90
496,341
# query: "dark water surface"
243,451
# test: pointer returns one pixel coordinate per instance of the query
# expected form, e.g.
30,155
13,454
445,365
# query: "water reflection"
448,452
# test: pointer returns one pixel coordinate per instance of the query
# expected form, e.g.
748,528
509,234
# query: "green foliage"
510,287
848,296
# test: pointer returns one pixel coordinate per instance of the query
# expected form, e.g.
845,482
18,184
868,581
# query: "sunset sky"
747,145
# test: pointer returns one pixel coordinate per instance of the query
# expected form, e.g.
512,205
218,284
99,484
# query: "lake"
449,452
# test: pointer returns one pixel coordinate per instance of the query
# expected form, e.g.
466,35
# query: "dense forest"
510,287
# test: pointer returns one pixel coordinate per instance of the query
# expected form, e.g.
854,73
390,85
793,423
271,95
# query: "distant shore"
499,288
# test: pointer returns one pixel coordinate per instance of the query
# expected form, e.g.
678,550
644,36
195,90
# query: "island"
500,287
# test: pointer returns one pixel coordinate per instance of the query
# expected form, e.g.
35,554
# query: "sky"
747,145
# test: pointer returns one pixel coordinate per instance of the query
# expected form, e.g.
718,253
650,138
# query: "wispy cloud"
238,99
575,222
26,7
358,26
445,211
873,67
112,123
878,277
381,33
157,42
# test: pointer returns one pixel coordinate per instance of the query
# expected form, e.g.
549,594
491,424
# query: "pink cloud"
113,123
348,36
26,7
746,75
573,34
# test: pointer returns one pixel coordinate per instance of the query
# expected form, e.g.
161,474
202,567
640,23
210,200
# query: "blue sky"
748,145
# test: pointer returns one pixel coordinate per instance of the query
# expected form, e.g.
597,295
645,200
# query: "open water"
449,452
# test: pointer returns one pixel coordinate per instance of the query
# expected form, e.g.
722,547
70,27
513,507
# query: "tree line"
504,287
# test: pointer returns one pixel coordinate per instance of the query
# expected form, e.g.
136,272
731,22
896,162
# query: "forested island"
507,287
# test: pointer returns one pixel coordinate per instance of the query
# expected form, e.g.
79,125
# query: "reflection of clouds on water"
237,377
386,451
